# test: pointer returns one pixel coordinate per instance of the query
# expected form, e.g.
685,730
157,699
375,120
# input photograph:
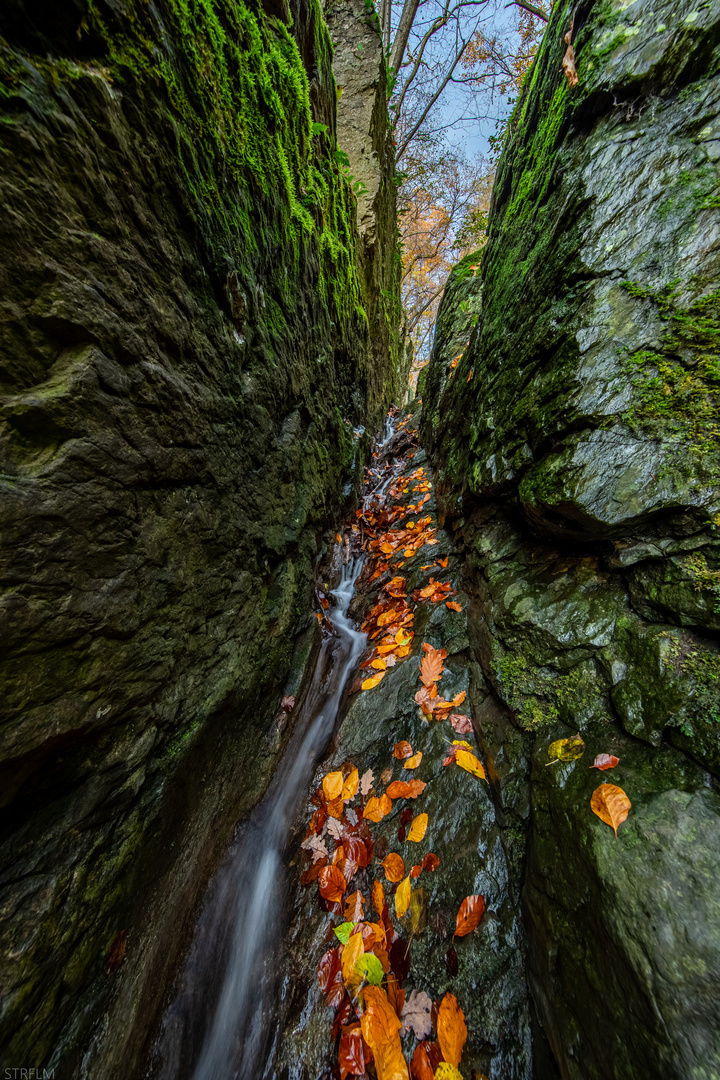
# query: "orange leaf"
394,867
333,785
354,908
414,761
381,1031
415,788
453,606
367,684
431,666
377,809
350,787
469,915
351,954
378,897
331,882
443,562
335,808
402,749
430,861
379,664
402,897
417,830
611,805
451,1029
416,871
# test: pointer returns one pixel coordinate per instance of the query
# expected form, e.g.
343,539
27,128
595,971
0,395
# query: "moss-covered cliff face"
577,452
184,356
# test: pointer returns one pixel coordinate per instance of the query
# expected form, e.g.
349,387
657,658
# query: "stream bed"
248,1001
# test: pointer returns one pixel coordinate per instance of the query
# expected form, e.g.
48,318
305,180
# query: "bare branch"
531,8
407,18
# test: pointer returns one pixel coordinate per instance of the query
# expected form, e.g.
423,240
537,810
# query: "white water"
211,1035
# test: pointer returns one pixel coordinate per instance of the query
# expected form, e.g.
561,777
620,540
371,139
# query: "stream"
221,1019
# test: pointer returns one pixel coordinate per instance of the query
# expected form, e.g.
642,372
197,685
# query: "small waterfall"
221,1020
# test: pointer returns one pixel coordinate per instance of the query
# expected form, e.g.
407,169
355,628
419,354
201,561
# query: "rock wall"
187,362
577,457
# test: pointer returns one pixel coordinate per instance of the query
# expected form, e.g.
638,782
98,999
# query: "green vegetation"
539,696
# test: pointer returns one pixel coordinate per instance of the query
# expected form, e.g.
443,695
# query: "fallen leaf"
566,749
443,562
402,750
351,954
335,828
332,884
336,807
414,761
415,788
287,704
461,724
369,968
394,867
377,809
366,782
402,897
451,962
343,932
380,664
453,605
350,787
430,861
416,918
420,1066
431,666
316,847
611,805
351,1053
446,1071
328,968
381,1031
386,775
469,915
469,762
367,684
416,1015
378,897
451,1029
354,907
605,761
333,785
418,828
415,871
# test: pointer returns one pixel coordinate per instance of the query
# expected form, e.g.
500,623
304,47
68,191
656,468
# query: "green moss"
540,696
677,386
704,578
704,667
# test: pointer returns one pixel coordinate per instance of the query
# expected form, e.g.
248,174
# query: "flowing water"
221,1021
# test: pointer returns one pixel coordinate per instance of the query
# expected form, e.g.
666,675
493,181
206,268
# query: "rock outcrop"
186,367
578,462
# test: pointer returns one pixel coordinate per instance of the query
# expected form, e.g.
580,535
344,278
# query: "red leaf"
332,883
430,861
351,1053
605,761
461,724
420,1067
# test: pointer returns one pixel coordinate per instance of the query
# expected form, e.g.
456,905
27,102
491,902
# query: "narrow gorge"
351,729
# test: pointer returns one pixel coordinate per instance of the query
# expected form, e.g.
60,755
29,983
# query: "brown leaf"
453,606
420,1066
415,788
430,861
611,805
605,761
451,1029
416,871
469,915
569,63
451,962
332,884
328,968
431,667
287,704
354,907
402,750
351,1054
394,867
461,724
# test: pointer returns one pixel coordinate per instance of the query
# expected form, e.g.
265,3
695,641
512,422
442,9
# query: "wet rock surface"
186,377
581,489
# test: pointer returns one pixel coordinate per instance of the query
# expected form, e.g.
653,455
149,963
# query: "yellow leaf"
402,897
469,763
350,787
368,684
378,896
566,749
377,809
414,761
351,954
446,1071
333,785
418,828
379,664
